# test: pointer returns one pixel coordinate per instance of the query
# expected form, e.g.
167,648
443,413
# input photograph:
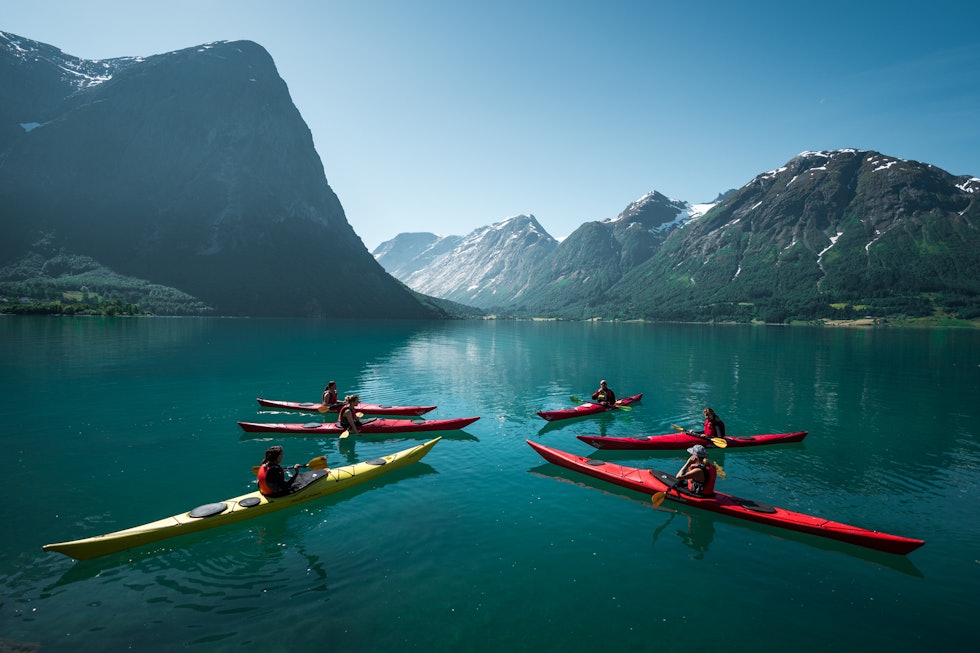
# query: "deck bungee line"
315,484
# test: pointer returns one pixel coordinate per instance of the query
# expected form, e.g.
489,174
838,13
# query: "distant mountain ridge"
478,269
190,170
833,234
516,262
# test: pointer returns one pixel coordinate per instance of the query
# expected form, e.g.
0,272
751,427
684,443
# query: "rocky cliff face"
192,169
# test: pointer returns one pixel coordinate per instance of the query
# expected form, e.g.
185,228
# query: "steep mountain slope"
409,253
515,266
594,257
191,169
830,234
489,264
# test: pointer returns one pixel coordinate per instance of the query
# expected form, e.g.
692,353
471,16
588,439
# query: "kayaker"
713,426
698,471
347,417
330,394
272,477
604,395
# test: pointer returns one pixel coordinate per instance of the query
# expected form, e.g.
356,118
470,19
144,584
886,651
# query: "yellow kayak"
311,485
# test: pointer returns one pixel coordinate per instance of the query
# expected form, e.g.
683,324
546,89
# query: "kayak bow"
685,440
651,481
312,485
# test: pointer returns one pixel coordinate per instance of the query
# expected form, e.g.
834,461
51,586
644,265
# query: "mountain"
516,265
839,234
594,257
190,170
408,253
843,233
489,264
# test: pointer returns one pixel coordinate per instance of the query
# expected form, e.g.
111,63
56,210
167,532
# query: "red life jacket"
263,486
704,488
353,415
714,429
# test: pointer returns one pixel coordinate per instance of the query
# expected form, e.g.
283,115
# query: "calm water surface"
109,423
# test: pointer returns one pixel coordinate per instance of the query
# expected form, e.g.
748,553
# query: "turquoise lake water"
482,546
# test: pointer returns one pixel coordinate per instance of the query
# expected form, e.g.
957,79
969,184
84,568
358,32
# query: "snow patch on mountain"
477,269
79,73
971,185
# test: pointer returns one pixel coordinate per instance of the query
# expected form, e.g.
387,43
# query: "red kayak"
380,425
651,481
586,408
367,409
685,440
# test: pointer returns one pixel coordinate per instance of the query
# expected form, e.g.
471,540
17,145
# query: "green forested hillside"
838,235
73,284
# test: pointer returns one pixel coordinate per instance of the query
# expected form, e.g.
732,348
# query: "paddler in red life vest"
604,395
272,477
713,426
347,417
330,394
699,473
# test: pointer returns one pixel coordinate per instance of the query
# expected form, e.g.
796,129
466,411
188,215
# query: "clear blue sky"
448,115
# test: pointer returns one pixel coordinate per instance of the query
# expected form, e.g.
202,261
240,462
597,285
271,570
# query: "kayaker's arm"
685,472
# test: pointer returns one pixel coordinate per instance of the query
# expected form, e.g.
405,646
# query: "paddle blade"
721,443
344,434
658,499
575,399
626,408
678,428
323,408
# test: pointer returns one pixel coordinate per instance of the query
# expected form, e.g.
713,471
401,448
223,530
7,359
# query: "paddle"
718,468
346,432
320,462
579,400
658,497
721,443
325,408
